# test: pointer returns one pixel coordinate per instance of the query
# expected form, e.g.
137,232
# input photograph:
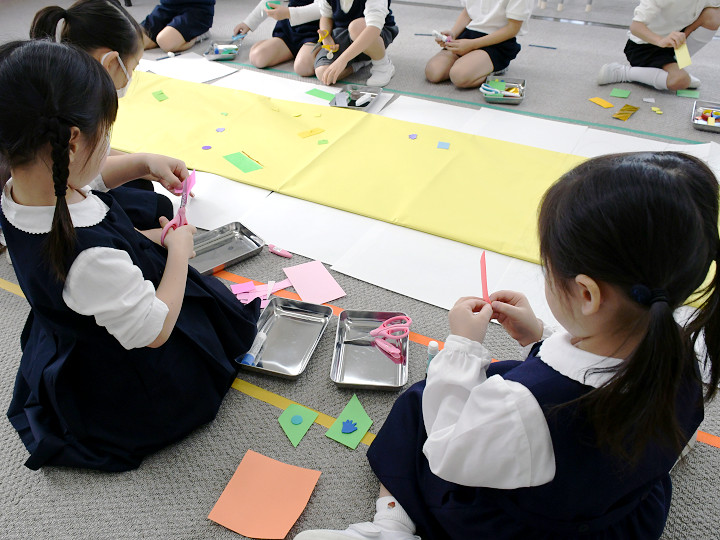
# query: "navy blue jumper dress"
592,496
80,398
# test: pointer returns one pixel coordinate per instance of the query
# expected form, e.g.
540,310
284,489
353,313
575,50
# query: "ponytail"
44,25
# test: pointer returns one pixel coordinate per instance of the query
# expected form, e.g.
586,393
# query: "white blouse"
298,15
665,16
490,15
375,11
489,432
102,282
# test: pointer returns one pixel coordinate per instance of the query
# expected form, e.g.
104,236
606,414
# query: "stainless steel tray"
350,93
222,51
293,331
363,365
224,246
715,106
509,82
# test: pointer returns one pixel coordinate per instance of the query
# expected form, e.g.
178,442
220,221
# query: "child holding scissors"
294,35
127,348
481,41
577,440
657,29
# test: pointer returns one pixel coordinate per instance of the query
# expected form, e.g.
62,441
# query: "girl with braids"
109,34
126,348
577,440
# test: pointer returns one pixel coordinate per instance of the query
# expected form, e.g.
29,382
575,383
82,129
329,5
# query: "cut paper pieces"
682,55
261,291
238,288
443,145
313,282
354,413
413,136
625,113
191,184
497,85
310,132
327,96
295,421
601,102
348,426
689,93
220,130
243,162
160,95
323,141
649,99
619,92
483,278
656,110
206,147
224,113
264,497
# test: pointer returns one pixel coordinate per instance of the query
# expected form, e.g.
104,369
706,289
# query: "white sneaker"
613,73
694,82
381,74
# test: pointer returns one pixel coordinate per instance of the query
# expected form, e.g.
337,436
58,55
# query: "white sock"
384,60
655,77
392,515
699,38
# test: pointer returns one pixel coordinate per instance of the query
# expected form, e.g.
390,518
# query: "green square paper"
689,93
497,85
159,95
296,432
353,411
243,162
619,92
327,96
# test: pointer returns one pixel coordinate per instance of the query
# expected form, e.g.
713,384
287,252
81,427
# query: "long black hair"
90,25
646,223
45,90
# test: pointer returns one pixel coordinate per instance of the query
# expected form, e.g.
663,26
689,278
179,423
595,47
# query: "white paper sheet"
274,86
189,67
595,142
429,113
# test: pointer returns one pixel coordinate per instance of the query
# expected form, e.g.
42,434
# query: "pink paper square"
314,283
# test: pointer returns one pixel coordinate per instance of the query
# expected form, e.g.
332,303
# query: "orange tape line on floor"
707,438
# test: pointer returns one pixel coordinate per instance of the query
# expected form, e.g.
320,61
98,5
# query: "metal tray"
705,105
231,48
350,93
509,82
293,331
224,246
363,365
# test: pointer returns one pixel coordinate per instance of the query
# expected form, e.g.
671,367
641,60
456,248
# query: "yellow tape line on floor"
11,287
282,403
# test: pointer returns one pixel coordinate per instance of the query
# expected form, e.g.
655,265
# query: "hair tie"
642,294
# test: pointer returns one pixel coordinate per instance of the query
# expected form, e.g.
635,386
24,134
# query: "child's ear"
74,143
589,294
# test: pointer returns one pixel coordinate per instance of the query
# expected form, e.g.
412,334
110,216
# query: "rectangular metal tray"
222,45
347,96
293,330
705,105
520,83
224,246
363,365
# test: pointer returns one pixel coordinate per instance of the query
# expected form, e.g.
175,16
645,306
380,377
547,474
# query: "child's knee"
304,68
356,27
678,80
432,73
258,58
461,78
170,39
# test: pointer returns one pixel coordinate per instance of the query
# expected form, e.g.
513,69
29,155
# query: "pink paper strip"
242,287
483,277
191,184
314,283
259,291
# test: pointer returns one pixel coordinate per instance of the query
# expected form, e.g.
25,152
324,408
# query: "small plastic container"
509,83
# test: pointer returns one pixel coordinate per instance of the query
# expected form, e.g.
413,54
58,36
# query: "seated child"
177,25
357,32
657,29
481,42
294,35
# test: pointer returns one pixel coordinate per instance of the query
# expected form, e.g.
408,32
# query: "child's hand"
169,172
673,39
333,72
460,46
513,311
447,33
180,239
279,13
241,28
470,317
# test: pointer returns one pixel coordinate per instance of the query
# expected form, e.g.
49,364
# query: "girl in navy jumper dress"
577,440
127,348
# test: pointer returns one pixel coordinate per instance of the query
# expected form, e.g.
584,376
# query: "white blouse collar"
581,366
38,219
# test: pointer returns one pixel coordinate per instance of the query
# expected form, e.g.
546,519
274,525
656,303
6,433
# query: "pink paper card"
242,287
314,283
191,184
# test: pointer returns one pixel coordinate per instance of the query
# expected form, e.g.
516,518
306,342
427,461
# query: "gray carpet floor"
171,494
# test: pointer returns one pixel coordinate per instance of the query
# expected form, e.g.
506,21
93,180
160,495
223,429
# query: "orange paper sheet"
264,497
601,102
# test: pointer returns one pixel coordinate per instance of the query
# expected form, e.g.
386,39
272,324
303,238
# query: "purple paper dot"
413,136
206,147
220,130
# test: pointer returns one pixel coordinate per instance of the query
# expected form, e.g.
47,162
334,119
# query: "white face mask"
120,91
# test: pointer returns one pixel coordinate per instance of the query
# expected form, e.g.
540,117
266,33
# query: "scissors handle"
178,221
395,331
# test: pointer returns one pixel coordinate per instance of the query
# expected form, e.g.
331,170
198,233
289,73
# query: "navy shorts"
501,54
341,36
648,55
296,36
191,22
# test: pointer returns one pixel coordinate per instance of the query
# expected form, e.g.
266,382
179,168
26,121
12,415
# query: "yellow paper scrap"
711,121
682,55
310,132
625,113
601,102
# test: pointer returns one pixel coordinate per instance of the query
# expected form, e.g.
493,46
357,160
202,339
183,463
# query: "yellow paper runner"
480,191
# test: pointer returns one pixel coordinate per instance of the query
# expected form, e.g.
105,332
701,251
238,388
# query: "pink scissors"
179,220
397,327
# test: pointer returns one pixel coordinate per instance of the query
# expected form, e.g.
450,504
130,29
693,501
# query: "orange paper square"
264,497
